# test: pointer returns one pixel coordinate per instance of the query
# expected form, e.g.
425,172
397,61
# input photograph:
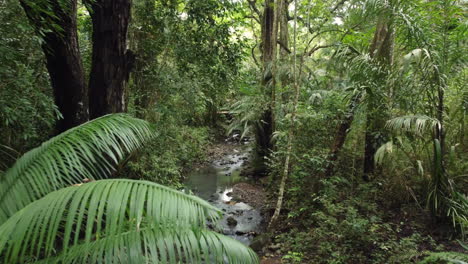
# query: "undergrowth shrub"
344,223
168,155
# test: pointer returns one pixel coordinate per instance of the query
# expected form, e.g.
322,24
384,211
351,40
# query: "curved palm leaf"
95,210
160,245
69,158
417,124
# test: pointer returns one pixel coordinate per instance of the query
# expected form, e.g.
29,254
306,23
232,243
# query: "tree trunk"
266,126
381,50
284,30
111,60
341,133
63,59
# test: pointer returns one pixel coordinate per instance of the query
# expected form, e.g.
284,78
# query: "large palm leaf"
416,124
160,245
87,151
104,221
117,221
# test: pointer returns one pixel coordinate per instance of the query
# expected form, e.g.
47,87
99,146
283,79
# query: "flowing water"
215,182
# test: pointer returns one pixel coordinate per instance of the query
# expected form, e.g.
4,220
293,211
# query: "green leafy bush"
345,225
169,154
27,110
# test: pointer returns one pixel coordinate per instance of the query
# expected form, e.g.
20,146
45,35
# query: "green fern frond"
88,212
89,151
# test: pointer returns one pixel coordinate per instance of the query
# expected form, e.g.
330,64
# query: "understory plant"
56,206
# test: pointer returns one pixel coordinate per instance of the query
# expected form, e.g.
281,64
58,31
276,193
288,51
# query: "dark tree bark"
63,59
266,126
111,60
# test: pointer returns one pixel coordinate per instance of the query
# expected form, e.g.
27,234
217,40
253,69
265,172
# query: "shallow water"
214,183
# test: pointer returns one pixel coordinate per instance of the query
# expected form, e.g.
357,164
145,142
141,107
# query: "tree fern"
89,151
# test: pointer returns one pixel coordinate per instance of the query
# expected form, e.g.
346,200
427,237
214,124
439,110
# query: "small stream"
215,182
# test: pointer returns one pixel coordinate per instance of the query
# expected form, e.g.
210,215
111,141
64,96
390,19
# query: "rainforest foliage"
357,111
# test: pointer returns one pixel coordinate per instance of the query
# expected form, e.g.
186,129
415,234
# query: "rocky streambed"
221,182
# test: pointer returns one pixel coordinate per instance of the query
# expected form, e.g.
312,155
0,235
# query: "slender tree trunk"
283,29
266,126
111,60
381,50
341,133
63,58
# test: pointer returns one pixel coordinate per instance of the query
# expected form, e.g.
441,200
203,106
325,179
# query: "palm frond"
247,113
88,151
159,245
417,124
91,211
380,154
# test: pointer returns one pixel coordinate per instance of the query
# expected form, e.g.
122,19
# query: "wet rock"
229,194
231,221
